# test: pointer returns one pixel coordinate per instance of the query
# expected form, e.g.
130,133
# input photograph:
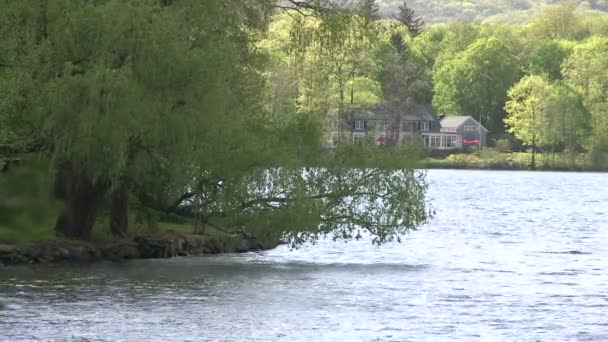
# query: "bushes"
503,145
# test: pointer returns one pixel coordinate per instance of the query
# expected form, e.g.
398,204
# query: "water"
510,256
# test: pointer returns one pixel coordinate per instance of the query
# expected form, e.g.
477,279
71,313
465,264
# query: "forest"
218,113
513,11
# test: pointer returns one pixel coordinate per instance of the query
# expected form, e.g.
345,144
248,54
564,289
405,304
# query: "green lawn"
25,229
490,159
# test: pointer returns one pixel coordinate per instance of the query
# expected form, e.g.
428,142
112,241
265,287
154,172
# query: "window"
425,126
359,124
470,128
435,141
449,141
409,126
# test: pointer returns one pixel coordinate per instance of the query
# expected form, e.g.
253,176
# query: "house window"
359,124
425,126
435,141
470,128
449,141
409,126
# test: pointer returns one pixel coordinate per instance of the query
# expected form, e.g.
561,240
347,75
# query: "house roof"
457,121
419,112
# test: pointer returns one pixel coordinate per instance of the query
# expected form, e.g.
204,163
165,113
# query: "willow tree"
121,94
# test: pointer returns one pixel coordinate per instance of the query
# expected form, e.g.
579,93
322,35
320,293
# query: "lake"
509,256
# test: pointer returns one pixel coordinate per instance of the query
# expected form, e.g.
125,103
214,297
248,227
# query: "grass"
22,230
24,235
493,160
25,229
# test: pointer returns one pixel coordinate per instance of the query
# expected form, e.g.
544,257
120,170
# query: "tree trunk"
119,212
82,198
533,165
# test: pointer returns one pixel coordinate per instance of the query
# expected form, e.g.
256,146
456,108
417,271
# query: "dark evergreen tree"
408,17
368,9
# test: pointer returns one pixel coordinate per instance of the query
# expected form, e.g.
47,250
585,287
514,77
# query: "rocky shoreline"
165,245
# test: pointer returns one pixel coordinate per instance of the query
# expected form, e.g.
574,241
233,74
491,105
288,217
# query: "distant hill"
436,11
479,10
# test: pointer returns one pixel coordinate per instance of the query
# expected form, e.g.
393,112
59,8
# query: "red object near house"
381,140
476,141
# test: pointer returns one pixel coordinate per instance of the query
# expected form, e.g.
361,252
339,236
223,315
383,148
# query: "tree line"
539,85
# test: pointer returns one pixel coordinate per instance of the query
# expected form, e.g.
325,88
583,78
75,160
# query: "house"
419,123
473,133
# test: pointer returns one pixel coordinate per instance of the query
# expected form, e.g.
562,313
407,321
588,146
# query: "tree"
547,58
406,84
586,70
333,61
408,17
173,106
569,119
527,112
475,82
557,22
382,198
368,9
119,94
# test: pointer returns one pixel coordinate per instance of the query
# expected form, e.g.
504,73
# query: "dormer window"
425,126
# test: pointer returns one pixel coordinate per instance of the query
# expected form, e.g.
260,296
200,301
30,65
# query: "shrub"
503,145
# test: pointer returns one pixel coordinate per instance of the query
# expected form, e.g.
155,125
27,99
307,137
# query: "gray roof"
457,121
420,112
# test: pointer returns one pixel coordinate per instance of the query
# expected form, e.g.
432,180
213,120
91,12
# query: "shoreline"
443,165
164,245
490,159
515,169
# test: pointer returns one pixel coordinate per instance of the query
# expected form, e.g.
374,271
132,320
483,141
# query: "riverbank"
491,160
166,244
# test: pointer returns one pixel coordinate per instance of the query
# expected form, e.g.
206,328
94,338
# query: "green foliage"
475,82
503,145
547,115
557,22
528,113
26,207
570,120
355,190
547,58
586,70
182,107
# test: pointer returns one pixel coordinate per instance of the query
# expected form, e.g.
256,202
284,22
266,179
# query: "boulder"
120,250
8,249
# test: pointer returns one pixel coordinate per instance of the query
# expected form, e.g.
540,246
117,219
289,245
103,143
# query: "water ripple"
509,256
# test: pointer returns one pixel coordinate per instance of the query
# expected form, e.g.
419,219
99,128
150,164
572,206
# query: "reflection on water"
509,256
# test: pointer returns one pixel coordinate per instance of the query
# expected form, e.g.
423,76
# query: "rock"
10,255
165,245
119,250
7,249
154,247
